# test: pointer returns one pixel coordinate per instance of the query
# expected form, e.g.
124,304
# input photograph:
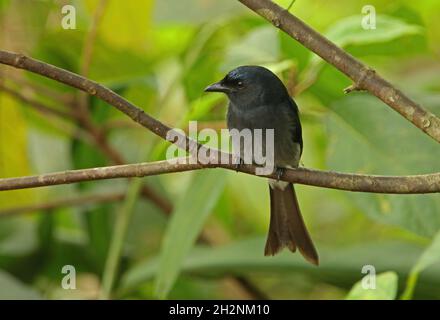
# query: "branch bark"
93,88
66,115
428,183
90,133
364,78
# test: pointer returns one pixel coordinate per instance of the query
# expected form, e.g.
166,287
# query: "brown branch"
59,97
83,112
50,112
88,47
92,135
66,115
85,119
93,88
350,182
412,184
364,78
415,184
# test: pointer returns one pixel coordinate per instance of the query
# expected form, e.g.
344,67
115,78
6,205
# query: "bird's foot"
279,172
238,162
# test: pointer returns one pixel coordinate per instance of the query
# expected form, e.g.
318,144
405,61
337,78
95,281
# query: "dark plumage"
259,100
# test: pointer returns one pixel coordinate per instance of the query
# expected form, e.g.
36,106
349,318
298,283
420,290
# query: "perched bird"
259,100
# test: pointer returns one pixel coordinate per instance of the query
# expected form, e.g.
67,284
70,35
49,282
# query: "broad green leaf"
349,31
187,220
205,52
249,51
200,108
195,11
204,55
338,266
385,289
18,236
368,137
13,289
390,34
250,195
429,257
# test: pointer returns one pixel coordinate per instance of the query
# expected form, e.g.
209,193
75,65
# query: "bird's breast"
286,150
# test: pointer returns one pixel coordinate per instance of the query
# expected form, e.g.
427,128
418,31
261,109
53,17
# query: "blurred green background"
203,235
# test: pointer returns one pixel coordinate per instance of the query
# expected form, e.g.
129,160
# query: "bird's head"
250,85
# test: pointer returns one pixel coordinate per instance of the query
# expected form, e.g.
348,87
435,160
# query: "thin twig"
350,182
52,113
89,43
415,184
150,193
63,203
364,78
66,115
93,88
412,184
63,98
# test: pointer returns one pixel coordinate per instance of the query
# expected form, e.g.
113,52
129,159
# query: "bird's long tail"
287,228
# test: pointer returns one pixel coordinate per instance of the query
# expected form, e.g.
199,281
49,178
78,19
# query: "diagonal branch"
91,87
90,131
44,109
364,78
428,183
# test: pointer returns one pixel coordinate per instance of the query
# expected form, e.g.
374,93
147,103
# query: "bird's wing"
295,127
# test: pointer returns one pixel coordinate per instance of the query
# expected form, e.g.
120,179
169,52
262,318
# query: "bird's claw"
279,172
238,163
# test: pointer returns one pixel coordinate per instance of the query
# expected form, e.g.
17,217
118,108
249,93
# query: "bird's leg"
279,172
238,162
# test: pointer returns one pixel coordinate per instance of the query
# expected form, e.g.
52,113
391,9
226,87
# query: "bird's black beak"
217,87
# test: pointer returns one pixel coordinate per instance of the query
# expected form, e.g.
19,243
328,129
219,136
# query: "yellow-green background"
161,55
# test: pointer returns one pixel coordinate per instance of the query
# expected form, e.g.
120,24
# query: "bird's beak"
217,87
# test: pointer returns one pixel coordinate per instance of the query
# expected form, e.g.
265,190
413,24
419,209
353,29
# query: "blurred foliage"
385,288
161,55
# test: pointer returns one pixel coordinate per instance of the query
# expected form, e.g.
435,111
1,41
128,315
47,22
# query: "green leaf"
349,31
365,136
12,289
250,51
386,288
18,236
429,257
187,220
339,266
195,11
391,36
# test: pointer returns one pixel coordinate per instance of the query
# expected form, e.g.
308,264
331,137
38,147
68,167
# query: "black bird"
259,100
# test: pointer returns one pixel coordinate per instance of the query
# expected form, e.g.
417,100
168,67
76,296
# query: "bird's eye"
240,84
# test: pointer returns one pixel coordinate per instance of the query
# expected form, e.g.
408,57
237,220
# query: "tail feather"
287,228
